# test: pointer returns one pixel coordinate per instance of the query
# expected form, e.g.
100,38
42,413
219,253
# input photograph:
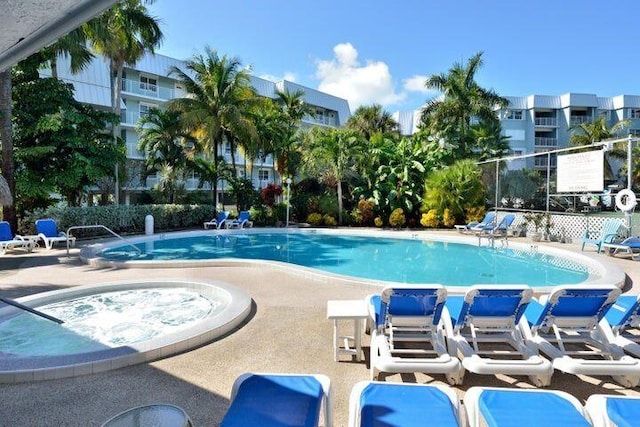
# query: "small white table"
355,310
155,415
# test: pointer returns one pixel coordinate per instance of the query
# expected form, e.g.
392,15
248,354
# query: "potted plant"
535,219
548,225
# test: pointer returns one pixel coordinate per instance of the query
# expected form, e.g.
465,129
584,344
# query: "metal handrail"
23,307
80,227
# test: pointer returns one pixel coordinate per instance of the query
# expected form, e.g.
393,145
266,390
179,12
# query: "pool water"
105,320
386,259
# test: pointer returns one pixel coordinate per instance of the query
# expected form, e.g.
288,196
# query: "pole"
548,177
629,214
288,199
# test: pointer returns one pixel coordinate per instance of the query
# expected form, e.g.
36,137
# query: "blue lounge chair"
490,314
610,229
10,241
219,221
609,411
381,404
473,225
623,318
493,231
408,333
279,400
242,221
629,246
509,407
571,315
47,231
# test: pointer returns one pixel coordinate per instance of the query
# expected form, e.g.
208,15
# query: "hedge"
120,218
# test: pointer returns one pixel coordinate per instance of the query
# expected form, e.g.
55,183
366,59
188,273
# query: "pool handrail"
23,307
80,227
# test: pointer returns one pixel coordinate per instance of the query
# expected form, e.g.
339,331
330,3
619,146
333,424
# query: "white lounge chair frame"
18,242
464,340
475,418
326,410
358,388
214,223
387,350
621,334
49,241
556,333
241,222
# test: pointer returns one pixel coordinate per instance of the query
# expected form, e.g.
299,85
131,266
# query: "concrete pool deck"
287,332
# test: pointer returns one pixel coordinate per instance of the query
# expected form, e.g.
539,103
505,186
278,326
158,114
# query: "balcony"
578,120
546,121
146,90
129,118
546,142
132,151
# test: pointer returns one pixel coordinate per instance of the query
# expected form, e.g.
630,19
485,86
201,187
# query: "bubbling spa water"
106,320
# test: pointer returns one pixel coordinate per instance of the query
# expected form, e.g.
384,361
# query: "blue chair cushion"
5,232
623,412
397,405
276,401
502,408
47,227
622,310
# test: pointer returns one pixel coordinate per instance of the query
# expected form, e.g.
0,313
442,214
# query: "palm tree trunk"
116,100
339,202
6,137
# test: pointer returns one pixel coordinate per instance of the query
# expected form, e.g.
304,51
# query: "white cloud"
416,84
366,84
289,76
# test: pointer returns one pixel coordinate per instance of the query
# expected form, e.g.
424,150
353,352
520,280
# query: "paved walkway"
287,332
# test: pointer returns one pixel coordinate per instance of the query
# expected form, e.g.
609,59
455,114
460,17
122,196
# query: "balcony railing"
132,151
147,90
546,121
546,142
130,118
192,184
321,120
578,120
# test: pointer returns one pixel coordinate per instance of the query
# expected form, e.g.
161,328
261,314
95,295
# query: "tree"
211,172
587,133
462,99
285,149
164,140
6,137
332,154
61,144
372,119
489,141
123,34
220,99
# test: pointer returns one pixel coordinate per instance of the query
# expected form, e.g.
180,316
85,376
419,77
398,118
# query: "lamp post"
288,181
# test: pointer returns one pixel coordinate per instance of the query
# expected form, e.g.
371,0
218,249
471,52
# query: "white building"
148,85
539,123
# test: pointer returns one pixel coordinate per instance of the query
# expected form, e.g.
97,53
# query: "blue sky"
378,51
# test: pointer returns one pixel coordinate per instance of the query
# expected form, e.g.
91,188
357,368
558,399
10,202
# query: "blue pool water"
387,259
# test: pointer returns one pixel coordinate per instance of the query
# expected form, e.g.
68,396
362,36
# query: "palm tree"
73,46
219,103
372,119
284,148
123,34
211,172
163,139
462,99
489,141
333,153
587,133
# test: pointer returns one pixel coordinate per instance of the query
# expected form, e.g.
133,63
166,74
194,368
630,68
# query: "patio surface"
286,332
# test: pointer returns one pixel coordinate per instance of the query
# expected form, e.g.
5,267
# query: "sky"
381,52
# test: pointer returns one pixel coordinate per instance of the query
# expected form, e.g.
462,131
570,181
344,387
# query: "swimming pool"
402,259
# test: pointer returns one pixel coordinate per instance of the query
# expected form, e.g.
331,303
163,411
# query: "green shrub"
474,213
314,219
397,218
378,222
447,219
121,219
365,209
329,220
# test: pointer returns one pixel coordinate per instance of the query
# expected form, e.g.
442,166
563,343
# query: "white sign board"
581,172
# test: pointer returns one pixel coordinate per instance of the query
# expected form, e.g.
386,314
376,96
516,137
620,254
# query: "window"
514,134
242,173
148,83
227,147
603,113
514,115
263,175
144,109
634,113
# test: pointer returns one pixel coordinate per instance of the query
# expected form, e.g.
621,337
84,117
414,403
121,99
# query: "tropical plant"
243,192
270,193
210,172
456,188
461,100
397,218
371,119
164,140
332,153
6,136
219,103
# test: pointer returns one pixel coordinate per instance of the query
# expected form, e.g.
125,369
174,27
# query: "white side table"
355,310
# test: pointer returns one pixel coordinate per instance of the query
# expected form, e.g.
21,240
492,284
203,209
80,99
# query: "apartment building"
540,123
148,84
